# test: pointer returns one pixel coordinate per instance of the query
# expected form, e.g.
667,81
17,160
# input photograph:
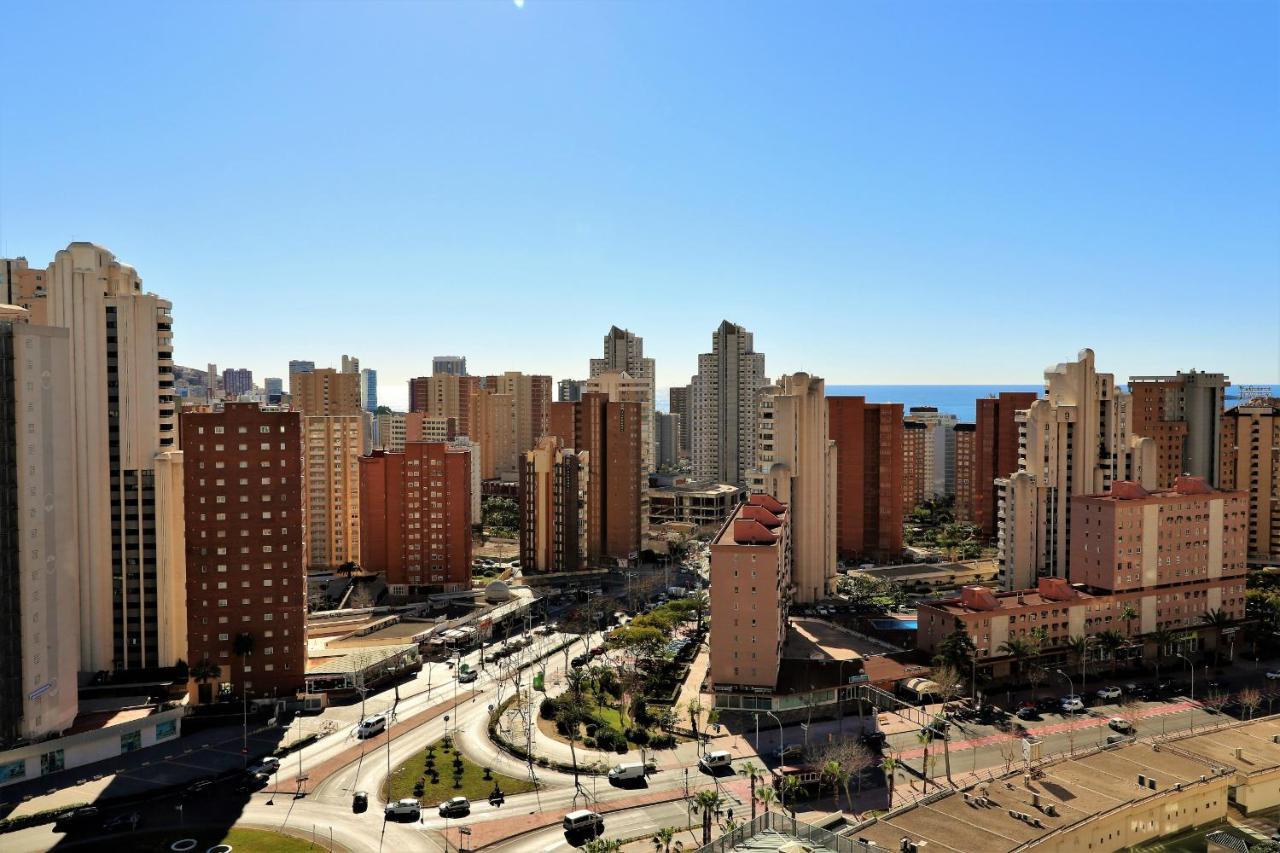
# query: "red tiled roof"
747,531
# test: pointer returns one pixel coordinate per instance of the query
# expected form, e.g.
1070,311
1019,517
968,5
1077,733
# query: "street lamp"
1191,667
1071,685
973,681
782,751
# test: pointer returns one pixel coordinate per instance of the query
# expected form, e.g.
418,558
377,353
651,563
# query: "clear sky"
883,192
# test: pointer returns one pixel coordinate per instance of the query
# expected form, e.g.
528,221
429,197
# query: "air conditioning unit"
1037,823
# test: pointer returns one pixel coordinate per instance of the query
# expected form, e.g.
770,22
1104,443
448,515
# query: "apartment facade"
530,401
246,587
938,460
1251,462
423,427
621,387
724,405
870,477
27,288
669,429
1077,440
750,593
236,381
915,470
1170,555
624,353
609,433
966,462
392,429
552,497
127,467
301,366
570,390
334,445
796,464
678,404
446,395
1183,415
39,557
995,452
452,365
416,516
325,392
369,389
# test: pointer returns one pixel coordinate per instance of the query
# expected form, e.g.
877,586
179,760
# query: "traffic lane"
631,823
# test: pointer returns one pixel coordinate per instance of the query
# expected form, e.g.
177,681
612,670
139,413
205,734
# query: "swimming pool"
894,624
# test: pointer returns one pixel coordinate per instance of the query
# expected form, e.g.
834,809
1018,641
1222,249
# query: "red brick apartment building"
869,469
246,566
415,516
995,452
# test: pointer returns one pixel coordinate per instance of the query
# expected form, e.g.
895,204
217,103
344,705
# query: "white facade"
725,397
939,451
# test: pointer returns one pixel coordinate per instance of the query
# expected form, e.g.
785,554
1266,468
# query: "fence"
781,824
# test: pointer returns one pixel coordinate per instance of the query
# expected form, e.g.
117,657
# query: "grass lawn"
254,840
612,716
474,785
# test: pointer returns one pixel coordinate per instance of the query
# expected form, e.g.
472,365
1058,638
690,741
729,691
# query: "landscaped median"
441,771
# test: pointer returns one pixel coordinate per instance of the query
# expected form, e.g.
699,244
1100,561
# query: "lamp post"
1191,667
973,679
1071,685
782,750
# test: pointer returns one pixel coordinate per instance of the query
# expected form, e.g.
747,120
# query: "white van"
582,820
624,772
713,761
371,726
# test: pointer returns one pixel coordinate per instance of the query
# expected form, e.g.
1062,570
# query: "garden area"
597,712
441,771
933,525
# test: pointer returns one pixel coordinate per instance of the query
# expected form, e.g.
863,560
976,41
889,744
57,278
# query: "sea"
961,400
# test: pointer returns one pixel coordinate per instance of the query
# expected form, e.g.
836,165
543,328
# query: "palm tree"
1128,614
1111,642
791,789
766,795
569,714
1217,619
204,672
889,766
1018,649
752,771
831,775
1163,638
1078,648
939,723
664,841
706,802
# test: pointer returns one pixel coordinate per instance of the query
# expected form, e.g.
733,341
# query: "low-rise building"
696,503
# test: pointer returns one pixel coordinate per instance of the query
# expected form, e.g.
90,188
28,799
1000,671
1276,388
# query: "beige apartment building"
446,395
333,446
1183,415
937,460
796,464
552,495
621,387
1077,440
750,594
624,353
325,391
423,427
123,427
493,428
39,560
530,402
1251,462
724,405
25,288
966,465
392,430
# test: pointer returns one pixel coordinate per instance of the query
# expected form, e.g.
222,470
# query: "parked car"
403,808
713,761
360,802
1027,711
129,821
268,765
873,740
1071,704
597,651
1121,725
1110,692
1048,704
468,676
627,772
455,807
1273,674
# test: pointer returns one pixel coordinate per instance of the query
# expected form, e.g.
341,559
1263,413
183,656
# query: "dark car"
468,676
128,820
873,740
579,660
78,817
1048,703
1027,711
360,802
455,807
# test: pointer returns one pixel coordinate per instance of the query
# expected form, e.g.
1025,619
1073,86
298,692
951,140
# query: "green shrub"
548,709
638,736
589,743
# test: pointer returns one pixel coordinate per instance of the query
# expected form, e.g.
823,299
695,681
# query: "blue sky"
883,192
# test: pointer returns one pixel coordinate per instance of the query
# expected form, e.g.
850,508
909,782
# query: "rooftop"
356,661
977,599
753,523
1183,486
1257,749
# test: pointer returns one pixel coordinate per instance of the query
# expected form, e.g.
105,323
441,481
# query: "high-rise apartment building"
39,557
620,387
570,390
869,477
915,470
369,389
299,366
624,353
678,404
609,435
1075,441
966,459
423,427
530,399
274,386
1183,414
26,288
393,431
1251,463
551,493
325,392
453,365
246,563
446,395
669,431
750,594
334,445
236,381
939,458
415,517
724,405
350,364
796,464
493,428
995,452
128,472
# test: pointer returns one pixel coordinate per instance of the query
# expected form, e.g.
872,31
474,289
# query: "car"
407,807
1273,674
1115,739
1048,703
129,821
455,807
1131,687
78,817
791,750
468,676
1111,692
1027,711
873,740
268,765
371,726
1120,724
360,802
1072,703
597,651
1215,687
579,660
